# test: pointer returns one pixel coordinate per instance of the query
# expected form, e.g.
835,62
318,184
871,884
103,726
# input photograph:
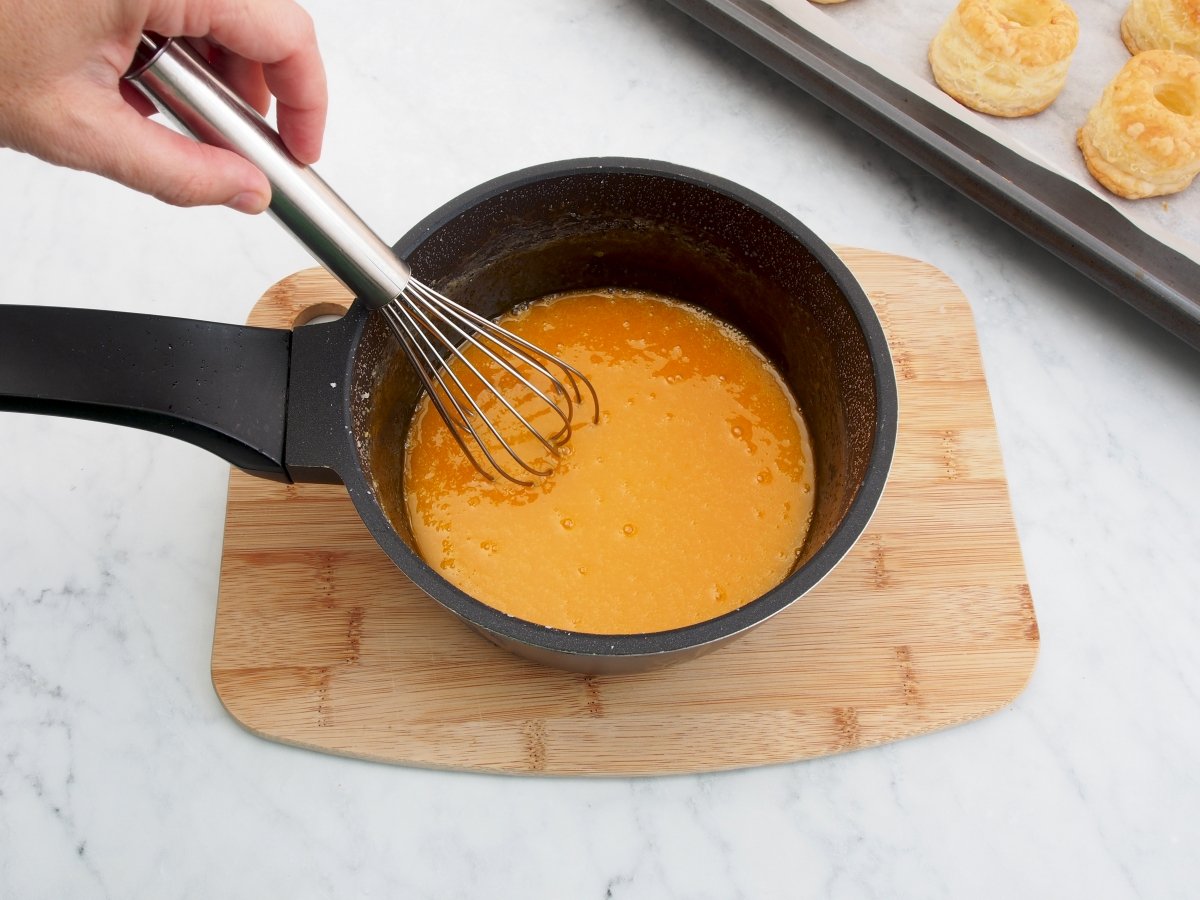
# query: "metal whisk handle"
181,84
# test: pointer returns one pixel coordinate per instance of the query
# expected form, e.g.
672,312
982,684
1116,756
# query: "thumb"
151,158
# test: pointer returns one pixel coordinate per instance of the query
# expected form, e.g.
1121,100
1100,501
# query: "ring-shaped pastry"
1005,57
1142,139
1162,25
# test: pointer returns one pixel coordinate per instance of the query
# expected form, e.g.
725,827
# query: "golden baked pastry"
1162,25
1005,57
1143,138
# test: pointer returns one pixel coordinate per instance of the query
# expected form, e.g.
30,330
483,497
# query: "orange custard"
691,497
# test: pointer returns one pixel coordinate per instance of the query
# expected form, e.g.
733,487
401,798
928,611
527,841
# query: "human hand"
62,98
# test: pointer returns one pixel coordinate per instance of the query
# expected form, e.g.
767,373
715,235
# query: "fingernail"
248,202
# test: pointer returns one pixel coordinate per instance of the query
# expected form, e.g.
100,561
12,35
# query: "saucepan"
331,402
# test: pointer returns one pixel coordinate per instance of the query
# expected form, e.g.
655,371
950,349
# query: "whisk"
433,331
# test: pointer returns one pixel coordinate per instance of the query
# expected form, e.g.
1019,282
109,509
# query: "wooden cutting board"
928,622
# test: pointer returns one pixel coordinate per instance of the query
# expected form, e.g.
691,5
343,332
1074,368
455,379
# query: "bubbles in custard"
719,518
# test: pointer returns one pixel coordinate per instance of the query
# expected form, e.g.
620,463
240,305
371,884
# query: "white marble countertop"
122,776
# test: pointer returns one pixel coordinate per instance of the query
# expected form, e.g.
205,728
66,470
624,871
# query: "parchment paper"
892,37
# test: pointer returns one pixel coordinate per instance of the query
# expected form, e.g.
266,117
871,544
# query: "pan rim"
568,645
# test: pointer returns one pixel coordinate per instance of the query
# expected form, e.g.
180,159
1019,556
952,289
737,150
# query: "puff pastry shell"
1143,138
1005,57
1162,25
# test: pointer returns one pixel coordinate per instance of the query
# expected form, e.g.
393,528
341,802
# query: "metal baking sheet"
1138,266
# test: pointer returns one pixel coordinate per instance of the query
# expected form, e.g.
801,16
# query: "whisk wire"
456,351
475,339
419,349
402,330
516,344
475,329
436,333
431,368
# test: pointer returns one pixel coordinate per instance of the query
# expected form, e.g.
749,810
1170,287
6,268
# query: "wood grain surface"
322,643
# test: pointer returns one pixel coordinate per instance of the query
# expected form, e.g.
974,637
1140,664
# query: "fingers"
301,123
279,35
63,99
136,99
246,78
120,144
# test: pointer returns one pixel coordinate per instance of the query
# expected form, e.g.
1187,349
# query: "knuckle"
306,29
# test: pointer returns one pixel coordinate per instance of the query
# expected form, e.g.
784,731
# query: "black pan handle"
220,387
